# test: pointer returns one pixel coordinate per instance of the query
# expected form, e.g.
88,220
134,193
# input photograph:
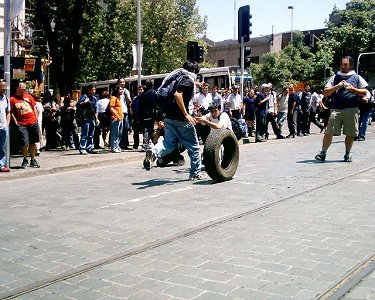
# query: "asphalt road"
285,227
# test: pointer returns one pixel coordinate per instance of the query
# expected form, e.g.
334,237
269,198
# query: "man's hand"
190,119
350,88
200,120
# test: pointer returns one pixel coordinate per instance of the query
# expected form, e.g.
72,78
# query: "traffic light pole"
7,37
242,66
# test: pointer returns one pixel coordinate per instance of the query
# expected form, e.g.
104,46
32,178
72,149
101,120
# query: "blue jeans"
184,132
87,133
116,133
3,146
364,118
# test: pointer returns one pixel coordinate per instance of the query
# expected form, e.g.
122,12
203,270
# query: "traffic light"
199,54
191,46
244,23
247,57
194,52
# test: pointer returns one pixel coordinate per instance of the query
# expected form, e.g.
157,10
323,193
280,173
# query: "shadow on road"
314,161
156,182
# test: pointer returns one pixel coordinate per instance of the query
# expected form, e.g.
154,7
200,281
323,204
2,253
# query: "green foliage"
295,63
354,30
167,25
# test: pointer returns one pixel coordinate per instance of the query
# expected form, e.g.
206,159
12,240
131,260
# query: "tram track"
347,282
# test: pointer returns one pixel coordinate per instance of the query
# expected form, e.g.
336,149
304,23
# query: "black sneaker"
25,163
34,163
149,158
321,156
347,158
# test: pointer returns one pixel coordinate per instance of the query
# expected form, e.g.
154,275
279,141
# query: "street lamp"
291,26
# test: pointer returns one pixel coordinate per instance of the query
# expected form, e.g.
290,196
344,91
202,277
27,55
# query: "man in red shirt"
24,116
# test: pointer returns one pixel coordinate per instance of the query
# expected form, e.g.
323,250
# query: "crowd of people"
105,121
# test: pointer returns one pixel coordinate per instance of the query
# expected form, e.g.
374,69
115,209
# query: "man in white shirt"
203,99
215,119
4,126
235,104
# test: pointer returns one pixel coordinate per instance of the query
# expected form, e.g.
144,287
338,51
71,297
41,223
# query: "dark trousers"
97,133
292,122
275,128
304,122
124,141
136,131
261,127
314,120
70,135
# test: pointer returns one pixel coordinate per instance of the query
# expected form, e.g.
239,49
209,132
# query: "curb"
69,168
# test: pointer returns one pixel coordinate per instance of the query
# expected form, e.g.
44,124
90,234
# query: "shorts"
346,119
28,134
281,117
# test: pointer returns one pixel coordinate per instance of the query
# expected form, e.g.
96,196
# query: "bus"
222,77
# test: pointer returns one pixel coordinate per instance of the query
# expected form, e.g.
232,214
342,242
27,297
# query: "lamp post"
139,41
7,37
291,26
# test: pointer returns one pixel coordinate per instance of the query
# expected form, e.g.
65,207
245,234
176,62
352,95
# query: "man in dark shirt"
292,111
261,101
179,126
305,105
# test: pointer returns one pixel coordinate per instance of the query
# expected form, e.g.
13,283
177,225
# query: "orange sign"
29,65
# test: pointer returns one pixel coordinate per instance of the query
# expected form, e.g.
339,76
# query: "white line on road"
146,197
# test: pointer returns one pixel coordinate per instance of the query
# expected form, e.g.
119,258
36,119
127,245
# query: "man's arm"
204,121
329,90
358,92
180,102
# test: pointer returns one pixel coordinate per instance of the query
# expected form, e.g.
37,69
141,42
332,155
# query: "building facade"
227,52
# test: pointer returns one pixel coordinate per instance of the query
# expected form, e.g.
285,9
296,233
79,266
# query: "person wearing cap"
235,103
4,125
262,105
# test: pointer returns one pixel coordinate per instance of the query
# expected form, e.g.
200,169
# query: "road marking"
135,200
361,180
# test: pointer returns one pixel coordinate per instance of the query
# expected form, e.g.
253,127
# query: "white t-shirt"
4,108
123,98
283,105
234,101
202,99
39,109
315,100
222,120
272,102
101,105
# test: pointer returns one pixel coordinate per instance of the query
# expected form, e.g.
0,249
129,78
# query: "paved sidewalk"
57,161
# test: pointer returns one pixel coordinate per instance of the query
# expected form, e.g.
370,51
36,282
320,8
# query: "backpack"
165,93
236,127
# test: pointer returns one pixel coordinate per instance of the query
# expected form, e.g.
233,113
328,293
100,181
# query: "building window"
220,63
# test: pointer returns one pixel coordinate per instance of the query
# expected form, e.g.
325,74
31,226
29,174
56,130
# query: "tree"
353,29
63,23
295,63
351,32
166,27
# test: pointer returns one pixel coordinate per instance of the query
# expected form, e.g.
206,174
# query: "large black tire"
221,155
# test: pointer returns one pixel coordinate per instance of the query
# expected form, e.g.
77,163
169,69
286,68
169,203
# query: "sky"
307,14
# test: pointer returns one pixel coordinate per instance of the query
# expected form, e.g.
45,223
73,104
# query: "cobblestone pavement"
296,249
